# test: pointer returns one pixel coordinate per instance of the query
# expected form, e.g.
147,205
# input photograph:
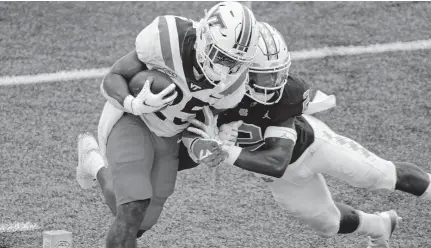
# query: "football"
160,82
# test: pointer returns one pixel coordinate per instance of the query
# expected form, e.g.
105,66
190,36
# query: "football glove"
228,133
147,102
207,129
206,151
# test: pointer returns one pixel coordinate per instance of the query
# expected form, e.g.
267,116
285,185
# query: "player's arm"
202,141
274,157
115,83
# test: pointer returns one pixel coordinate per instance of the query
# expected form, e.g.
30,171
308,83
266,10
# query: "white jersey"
167,44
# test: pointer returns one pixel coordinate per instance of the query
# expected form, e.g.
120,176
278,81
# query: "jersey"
167,44
258,117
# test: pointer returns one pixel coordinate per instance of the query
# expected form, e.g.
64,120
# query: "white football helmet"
226,41
270,68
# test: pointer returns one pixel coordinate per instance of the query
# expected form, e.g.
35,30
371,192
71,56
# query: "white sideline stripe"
18,227
54,77
298,55
355,50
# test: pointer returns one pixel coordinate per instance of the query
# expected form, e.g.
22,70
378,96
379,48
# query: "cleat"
87,148
390,219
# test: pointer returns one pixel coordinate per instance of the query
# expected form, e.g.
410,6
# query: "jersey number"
306,101
192,107
250,136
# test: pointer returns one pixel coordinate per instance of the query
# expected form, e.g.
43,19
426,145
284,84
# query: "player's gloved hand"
228,133
147,102
207,129
208,152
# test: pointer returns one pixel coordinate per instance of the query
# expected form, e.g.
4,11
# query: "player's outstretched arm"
114,85
274,157
271,160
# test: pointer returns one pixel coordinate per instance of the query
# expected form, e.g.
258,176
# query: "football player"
208,62
296,151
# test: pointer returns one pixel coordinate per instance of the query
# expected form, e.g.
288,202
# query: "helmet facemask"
215,63
266,86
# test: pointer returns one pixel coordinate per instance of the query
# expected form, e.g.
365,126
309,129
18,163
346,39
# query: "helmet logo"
215,19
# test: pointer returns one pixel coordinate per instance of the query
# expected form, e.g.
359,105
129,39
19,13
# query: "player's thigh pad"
163,177
347,160
130,154
310,201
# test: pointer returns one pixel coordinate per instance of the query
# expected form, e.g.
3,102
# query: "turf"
383,102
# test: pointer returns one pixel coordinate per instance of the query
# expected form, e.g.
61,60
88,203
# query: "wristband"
127,104
281,132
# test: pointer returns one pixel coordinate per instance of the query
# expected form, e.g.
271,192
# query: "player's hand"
147,102
228,133
207,129
207,151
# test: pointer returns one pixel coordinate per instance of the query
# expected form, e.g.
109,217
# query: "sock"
370,224
349,220
95,162
427,194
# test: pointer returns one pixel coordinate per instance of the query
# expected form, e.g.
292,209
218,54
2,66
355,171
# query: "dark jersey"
258,117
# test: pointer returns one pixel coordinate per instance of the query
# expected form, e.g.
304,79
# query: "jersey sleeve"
147,44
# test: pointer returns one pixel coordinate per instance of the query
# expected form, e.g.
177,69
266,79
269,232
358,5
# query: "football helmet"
226,41
270,68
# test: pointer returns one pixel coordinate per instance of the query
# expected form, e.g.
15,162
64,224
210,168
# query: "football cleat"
390,220
88,151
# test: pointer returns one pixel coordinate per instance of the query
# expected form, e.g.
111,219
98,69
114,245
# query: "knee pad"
327,223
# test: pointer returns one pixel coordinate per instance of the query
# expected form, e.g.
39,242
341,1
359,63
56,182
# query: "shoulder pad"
294,90
158,43
148,43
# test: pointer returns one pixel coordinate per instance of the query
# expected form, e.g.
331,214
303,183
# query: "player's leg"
107,187
413,179
156,204
347,160
309,200
379,227
130,155
92,166
122,233
163,178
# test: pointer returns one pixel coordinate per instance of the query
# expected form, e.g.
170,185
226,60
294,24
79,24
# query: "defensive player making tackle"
296,151
208,62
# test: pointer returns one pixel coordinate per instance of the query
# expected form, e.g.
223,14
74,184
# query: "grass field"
383,102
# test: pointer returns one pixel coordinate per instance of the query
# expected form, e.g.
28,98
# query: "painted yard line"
298,55
18,227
